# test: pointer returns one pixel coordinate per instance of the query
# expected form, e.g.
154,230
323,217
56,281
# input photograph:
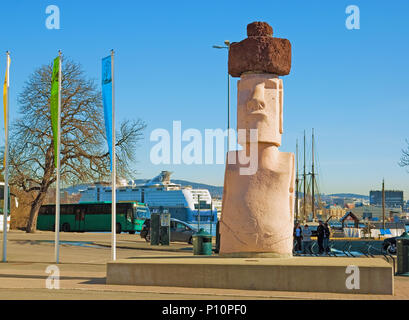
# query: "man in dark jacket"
320,237
327,234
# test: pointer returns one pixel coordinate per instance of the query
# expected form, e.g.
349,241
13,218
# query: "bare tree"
84,155
404,160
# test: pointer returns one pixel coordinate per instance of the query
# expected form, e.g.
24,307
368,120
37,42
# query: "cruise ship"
182,202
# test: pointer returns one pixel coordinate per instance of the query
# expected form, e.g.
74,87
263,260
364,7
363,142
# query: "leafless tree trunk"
84,155
404,160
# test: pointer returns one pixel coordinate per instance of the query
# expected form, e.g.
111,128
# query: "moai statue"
258,199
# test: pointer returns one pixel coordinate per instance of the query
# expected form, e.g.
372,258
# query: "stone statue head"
260,106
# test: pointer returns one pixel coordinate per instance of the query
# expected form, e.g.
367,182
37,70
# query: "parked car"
179,231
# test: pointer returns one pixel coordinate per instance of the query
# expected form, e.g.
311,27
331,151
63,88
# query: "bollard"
155,229
164,229
217,237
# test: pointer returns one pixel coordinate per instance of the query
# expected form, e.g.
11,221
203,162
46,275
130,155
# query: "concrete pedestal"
300,274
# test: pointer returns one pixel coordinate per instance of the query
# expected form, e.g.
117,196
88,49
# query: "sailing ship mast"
303,215
383,203
313,179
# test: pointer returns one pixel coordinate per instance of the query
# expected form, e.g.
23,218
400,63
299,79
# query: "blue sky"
350,85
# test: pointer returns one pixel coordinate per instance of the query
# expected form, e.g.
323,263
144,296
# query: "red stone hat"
260,52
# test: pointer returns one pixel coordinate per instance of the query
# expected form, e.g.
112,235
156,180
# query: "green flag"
54,104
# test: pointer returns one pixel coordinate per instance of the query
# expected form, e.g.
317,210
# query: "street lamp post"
227,43
198,212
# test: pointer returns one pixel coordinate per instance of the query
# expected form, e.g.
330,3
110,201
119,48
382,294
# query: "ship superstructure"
182,202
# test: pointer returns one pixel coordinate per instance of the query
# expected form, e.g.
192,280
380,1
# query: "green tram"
94,217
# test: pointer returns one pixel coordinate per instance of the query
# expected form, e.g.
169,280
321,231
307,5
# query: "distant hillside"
349,195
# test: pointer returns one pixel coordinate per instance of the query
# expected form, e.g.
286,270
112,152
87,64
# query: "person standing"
327,234
320,237
298,237
306,239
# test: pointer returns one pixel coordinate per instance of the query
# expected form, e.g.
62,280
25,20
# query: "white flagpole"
57,189
6,175
113,173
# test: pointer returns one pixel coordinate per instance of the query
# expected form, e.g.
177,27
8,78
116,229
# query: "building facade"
393,198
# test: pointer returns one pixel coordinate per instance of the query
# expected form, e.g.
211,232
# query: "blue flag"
107,100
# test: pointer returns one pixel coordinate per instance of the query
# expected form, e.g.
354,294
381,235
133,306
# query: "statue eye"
270,85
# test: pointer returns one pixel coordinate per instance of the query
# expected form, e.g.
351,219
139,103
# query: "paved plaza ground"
83,258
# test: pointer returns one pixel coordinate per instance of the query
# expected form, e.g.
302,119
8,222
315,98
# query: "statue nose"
255,105
256,101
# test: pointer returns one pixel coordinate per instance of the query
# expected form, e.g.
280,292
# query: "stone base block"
300,274
254,255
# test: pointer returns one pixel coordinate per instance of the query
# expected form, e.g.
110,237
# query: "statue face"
260,106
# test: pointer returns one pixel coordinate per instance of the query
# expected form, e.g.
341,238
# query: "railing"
393,259
387,256
367,249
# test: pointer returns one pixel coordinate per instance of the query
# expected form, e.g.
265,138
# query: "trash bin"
202,243
402,246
